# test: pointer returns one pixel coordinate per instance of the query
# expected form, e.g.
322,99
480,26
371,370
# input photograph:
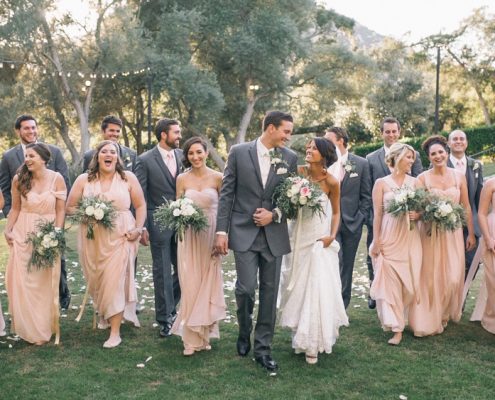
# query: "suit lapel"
254,158
163,168
178,162
346,174
469,174
20,155
386,169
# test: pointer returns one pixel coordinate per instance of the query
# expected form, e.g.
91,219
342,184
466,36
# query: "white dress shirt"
165,156
459,164
264,160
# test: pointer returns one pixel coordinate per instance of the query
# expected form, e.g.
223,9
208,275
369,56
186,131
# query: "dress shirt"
169,160
459,164
264,161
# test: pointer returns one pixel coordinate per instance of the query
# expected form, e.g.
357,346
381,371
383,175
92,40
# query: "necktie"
459,165
342,171
172,167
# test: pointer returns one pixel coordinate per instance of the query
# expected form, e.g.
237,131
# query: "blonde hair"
397,152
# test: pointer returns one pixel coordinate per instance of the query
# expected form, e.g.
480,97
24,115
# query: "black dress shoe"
165,330
267,362
65,301
243,346
371,303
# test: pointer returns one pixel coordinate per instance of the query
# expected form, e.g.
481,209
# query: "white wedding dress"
310,288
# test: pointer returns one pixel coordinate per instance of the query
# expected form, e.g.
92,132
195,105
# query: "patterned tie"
459,165
172,167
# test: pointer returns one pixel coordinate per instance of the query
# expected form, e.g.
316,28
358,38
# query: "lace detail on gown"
310,296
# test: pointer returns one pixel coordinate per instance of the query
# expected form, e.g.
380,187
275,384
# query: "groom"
248,224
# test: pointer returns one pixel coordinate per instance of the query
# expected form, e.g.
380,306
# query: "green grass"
458,364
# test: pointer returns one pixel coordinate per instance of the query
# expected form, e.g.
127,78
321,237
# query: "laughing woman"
2,321
37,194
108,259
200,271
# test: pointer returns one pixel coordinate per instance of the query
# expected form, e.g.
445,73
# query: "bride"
310,296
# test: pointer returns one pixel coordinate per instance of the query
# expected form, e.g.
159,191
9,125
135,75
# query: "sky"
408,20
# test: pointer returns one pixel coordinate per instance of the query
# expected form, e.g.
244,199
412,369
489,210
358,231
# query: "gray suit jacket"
156,181
11,161
379,169
474,178
242,193
127,155
355,194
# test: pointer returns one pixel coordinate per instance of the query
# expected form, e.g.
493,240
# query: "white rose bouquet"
406,199
93,210
295,192
48,243
443,213
179,215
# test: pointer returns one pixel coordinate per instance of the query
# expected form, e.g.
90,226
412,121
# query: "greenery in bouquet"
179,215
93,210
295,192
48,243
443,214
407,199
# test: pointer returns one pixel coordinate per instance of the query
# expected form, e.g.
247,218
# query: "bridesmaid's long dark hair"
189,142
24,175
94,167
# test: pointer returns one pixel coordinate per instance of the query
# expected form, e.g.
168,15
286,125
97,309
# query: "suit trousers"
349,243
470,254
165,280
369,239
63,288
258,259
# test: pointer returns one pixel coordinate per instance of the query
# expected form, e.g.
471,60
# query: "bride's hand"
375,249
327,240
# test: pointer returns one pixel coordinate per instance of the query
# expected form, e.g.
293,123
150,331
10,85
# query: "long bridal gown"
108,259
202,303
310,292
33,295
442,274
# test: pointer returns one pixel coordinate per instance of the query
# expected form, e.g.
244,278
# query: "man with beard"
157,170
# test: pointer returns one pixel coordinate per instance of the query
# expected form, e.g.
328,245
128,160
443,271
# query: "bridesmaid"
442,273
2,321
396,250
200,273
487,225
37,194
108,259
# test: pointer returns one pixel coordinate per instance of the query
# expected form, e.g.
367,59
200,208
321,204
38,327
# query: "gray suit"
11,161
158,184
127,155
474,179
379,169
255,248
355,203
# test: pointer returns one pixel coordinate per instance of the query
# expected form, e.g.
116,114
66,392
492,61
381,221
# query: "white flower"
281,171
57,229
46,237
99,214
401,197
303,200
188,210
103,206
53,243
476,166
348,167
176,212
294,200
89,211
445,209
46,244
39,234
276,160
174,204
185,200
52,235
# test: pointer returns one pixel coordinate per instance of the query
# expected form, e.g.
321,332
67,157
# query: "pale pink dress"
202,302
485,305
442,274
33,296
108,259
398,268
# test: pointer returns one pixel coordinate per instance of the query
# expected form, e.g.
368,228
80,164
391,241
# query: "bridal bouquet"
406,199
295,192
444,214
93,210
179,215
48,243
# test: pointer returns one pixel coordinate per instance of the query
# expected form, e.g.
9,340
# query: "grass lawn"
458,364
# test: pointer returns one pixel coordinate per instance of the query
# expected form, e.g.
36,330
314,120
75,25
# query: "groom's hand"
262,217
221,244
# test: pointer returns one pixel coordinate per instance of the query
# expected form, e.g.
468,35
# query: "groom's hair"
275,118
163,125
341,133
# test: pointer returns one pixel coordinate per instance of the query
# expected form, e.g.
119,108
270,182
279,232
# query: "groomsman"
355,202
26,128
473,171
157,170
111,128
390,128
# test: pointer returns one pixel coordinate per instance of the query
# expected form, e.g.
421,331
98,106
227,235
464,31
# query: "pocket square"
281,171
353,175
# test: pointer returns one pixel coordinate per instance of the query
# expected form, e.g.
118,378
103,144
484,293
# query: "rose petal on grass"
148,359
140,365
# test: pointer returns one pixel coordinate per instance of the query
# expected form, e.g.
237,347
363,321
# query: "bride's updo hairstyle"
397,152
435,139
187,146
327,150
24,176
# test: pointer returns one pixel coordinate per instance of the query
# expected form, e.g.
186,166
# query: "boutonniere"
127,161
476,166
279,164
350,168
